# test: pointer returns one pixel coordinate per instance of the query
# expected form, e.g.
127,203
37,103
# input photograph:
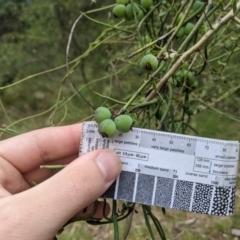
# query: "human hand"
39,212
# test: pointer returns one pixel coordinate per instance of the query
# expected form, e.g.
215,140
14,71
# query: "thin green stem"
190,51
136,23
90,49
29,117
194,30
144,104
114,219
180,24
8,131
4,111
158,227
53,167
147,222
104,211
140,89
111,99
168,104
100,9
107,25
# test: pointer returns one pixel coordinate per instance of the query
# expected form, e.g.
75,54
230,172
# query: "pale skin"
38,212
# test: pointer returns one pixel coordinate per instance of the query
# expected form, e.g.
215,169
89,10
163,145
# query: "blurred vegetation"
34,37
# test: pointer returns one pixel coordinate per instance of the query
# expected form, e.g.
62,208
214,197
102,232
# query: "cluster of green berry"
125,9
187,28
108,125
184,75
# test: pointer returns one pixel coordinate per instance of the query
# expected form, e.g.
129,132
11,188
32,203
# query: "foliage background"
33,39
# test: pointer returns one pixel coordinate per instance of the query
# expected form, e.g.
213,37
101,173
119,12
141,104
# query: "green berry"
140,15
197,5
194,85
179,18
188,28
149,63
185,65
180,32
146,39
190,111
173,81
179,78
190,78
102,113
228,44
129,10
107,128
124,2
146,3
128,18
123,123
119,11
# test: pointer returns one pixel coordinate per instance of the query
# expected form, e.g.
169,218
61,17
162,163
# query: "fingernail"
109,164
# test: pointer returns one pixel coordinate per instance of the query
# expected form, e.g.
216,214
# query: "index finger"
29,150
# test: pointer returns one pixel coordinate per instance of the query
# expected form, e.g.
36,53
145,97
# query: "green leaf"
234,5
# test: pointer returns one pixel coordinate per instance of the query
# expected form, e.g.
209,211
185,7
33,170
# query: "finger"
52,203
4,192
38,147
15,182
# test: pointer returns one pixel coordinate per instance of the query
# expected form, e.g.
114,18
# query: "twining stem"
107,25
185,55
53,167
138,92
136,23
128,226
144,104
168,104
90,49
5,111
9,131
30,117
156,222
162,37
219,112
111,99
147,222
114,219
196,27
224,96
99,9
180,24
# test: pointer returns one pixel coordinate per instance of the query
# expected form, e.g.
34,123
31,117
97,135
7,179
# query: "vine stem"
111,99
200,43
134,96
147,221
176,29
162,37
100,9
53,167
114,219
106,25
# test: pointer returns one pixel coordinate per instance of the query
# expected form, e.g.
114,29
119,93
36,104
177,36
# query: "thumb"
40,212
